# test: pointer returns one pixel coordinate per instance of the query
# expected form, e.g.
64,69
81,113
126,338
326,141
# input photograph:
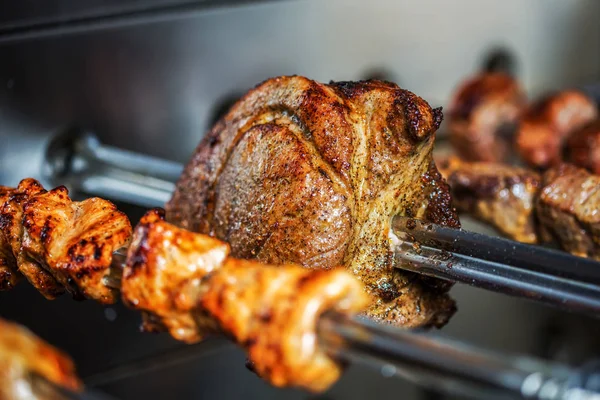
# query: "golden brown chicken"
60,244
483,114
548,123
308,173
25,357
9,273
568,208
187,284
498,194
583,147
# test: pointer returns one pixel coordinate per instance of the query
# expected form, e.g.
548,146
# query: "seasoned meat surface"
548,123
9,273
187,283
60,244
583,147
309,173
483,112
22,355
501,195
568,209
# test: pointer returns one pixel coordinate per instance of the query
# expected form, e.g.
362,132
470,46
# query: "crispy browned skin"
583,147
501,195
57,243
568,209
186,283
9,272
483,111
309,173
22,355
545,126
11,223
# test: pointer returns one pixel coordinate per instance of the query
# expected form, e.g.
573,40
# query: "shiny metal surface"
154,88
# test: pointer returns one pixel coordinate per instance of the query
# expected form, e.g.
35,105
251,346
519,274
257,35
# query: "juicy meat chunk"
548,123
483,112
9,272
583,147
11,217
23,355
307,173
57,243
187,284
567,208
500,195
74,240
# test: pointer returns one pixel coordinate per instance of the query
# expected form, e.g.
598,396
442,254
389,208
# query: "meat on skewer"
483,113
312,174
583,147
24,357
548,123
500,195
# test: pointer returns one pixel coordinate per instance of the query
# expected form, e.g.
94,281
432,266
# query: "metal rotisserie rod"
501,265
553,277
420,357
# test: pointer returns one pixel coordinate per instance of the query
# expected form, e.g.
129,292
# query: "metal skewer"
451,366
557,278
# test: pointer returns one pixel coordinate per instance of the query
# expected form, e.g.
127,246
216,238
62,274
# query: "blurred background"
152,76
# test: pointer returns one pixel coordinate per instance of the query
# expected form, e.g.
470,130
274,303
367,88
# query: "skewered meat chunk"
57,243
186,283
307,173
23,355
568,210
548,123
483,113
74,241
11,218
583,147
498,194
9,273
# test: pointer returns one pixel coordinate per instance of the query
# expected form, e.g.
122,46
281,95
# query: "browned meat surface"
186,283
548,123
568,209
498,194
57,243
583,147
23,355
307,173
9,273
483,113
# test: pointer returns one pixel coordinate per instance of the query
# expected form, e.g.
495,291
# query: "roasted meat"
568,209
548,123
9,273
583,147
23,358
60,244
498,194
187,284
483,114
307,173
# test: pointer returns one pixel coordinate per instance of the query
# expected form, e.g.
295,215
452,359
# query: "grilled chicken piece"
498,194
9,273
307,173
57,243
23,357
186,283
74,241
483,114
548,123
583,147
11,217
567,209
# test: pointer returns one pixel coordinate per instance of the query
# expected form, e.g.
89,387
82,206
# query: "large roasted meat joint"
309,173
